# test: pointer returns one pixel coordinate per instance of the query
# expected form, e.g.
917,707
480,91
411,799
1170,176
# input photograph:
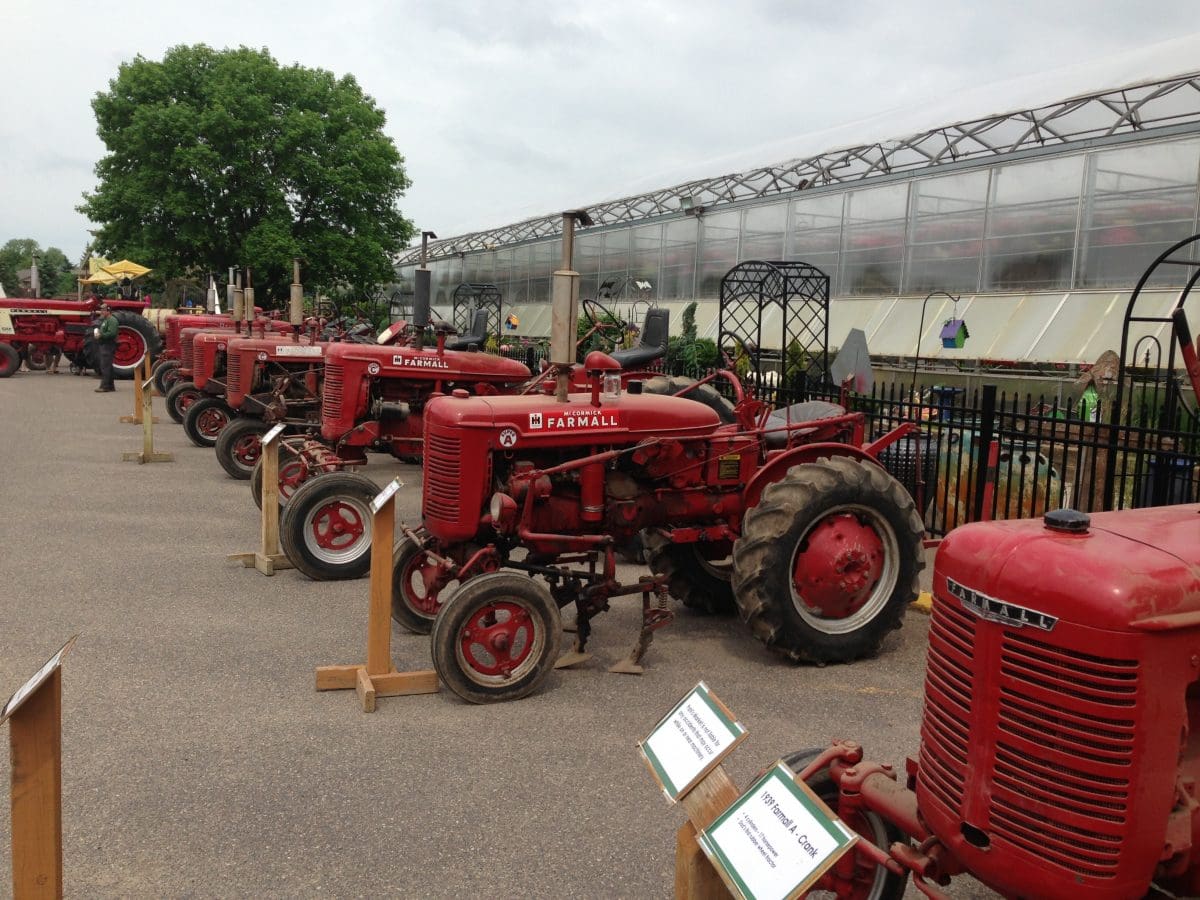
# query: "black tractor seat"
652,345
808,411
476,337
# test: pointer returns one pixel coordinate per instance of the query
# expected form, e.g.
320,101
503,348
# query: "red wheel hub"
131,347
432,580
337,525
497,638
838,566
210,422
292,474
183,401
247,449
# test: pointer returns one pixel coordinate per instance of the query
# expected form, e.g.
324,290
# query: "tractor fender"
778,465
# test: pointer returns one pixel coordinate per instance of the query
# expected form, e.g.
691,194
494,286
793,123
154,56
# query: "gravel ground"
200,761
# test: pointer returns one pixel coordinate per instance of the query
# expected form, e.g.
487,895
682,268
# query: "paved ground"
200,761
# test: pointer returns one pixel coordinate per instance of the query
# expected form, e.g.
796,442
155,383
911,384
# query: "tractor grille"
186,354
945,729
442,477
1064,748
333,392
233,374
173,326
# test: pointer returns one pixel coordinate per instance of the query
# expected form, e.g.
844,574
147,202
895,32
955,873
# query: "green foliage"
220,158
54,269
686,352
606,339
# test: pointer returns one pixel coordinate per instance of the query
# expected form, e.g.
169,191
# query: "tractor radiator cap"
460,393
1068,520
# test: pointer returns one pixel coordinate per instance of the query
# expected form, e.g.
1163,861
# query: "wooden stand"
268,560
378,678
695,877
138,390
147,454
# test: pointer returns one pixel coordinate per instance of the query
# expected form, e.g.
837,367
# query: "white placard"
690,740
39,677
273,433
776,839
386,494
298,350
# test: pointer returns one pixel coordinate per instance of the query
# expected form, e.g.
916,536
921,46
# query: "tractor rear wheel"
326,527
10,360
166,375
698,575
239,447
497,639
706,394
179,398
136,336
294,470
828,560
205,420
870,881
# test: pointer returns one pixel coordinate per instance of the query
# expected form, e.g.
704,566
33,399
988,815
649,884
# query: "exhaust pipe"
230,288
239,303
296,302
248,302
422,289
564,312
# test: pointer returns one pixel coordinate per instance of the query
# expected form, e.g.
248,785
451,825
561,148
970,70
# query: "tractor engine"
487,457
1060,744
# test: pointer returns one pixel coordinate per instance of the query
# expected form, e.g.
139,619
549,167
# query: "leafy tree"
54,269
220,158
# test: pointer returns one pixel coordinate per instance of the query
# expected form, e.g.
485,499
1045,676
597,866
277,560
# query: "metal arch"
1137,108
469,296
801,292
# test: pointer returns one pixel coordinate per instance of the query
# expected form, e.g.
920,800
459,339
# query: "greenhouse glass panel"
645,254
873,239
1142,200
543,261
762,232
588,248
945,239
1030,241
816,234
679,260
718,251
518,291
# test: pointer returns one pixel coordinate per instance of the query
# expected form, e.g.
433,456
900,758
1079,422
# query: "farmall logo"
998,610
573,419
420,362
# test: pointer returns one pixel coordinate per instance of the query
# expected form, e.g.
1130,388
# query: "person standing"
106,348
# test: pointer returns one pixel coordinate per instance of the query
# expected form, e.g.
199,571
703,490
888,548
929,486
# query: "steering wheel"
602,321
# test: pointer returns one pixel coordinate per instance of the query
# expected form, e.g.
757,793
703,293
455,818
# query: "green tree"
54,269
220,158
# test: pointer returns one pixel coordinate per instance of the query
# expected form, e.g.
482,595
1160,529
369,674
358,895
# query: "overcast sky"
505,110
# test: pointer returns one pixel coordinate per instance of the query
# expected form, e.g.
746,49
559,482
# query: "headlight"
503,509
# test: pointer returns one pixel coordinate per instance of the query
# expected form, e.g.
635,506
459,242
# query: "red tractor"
166,369
33,330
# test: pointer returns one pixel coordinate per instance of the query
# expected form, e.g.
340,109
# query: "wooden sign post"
147,454
378,678
34,714
268,559
138,390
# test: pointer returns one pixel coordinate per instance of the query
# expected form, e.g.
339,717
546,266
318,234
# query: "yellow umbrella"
98,278
126,269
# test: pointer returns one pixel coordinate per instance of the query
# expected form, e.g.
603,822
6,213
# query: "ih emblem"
998,610
508,437
535,420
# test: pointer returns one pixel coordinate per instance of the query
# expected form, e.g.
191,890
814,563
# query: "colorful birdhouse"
954,334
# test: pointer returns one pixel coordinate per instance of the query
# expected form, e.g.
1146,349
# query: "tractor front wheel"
294,470
166,375
179,398
870,881
828,560
38,357
239,447
326,526
497,639
10,360
698,575
417,593
205,420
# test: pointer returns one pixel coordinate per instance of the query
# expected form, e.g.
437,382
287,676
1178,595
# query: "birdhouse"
954,334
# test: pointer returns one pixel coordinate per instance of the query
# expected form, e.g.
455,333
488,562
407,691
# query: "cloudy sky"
505,110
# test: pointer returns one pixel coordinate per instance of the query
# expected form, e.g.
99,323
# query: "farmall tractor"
33,330
1060,739
789,517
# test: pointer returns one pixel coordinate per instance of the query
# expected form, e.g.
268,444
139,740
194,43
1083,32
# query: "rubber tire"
172,399
308,497
231,433
166,375
128,321
37,358
404,613
10,360
478,592
191,420
285,456
688,580
883,833
706,394
763,555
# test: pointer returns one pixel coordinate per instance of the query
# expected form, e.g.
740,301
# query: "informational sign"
690,740
38,679
299,350
386,494
273,433
776,839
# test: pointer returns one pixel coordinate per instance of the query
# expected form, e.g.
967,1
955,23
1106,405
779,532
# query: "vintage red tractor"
32,330
166,368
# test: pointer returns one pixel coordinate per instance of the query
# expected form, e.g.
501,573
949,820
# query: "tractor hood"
1130,570
409,362
538,419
